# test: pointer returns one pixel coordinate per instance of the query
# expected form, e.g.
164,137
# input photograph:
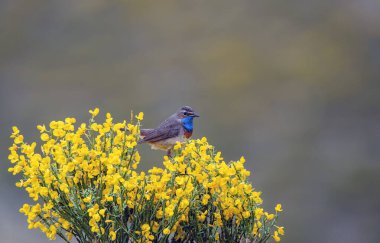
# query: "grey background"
292,85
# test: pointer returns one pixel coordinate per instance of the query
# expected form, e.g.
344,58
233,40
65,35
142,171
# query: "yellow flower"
140,116
44,137
276,237
102,212
278,208
269,216
15,131
177,146
217,236
145,227
87,199
41,128
19,139
246,214
184,203
180,180
64,187
169,211
69,235
166,231
25,209
59,132
112,235
155,227
281,230
205,199
179,192
202,217
259,212
94,112
159,214
96,217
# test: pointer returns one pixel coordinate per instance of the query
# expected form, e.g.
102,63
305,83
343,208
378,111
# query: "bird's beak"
195,115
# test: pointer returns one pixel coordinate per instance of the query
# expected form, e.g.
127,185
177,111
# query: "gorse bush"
86,186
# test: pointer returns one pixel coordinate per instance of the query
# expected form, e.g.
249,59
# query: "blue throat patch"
187,123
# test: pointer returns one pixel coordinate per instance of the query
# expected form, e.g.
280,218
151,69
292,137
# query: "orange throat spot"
187,134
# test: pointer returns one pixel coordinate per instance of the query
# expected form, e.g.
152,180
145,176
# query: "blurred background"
291,85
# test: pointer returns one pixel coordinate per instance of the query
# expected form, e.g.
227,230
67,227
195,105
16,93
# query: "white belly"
168,143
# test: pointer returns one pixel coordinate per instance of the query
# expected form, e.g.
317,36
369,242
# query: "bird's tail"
143,133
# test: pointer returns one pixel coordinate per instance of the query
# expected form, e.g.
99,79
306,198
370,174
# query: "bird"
176,128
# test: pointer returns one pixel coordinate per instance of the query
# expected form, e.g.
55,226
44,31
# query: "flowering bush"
86,187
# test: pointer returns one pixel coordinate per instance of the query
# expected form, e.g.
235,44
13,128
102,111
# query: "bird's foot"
169,153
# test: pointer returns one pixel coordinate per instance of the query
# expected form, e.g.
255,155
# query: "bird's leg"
169,153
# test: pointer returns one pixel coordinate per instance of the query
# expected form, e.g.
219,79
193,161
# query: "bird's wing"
144,132
169,121
168,129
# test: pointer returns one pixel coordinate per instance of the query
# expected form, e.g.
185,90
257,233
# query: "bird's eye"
186,113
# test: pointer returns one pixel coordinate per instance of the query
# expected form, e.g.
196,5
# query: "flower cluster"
86,186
